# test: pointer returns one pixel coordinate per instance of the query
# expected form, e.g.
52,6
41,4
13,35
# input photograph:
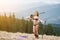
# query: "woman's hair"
36,14
31,16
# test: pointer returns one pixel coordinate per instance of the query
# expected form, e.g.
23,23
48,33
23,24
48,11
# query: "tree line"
12,24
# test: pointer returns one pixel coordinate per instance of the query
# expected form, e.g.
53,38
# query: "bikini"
35,20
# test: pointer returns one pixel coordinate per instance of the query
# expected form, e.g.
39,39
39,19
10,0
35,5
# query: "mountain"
56,28
56,25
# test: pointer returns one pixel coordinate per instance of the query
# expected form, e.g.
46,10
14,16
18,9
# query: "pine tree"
49,30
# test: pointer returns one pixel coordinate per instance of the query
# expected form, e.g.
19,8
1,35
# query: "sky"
20,6
13,5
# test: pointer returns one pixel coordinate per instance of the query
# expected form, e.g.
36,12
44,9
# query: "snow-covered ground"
24,36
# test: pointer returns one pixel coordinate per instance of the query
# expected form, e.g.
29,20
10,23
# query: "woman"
36,20
35,24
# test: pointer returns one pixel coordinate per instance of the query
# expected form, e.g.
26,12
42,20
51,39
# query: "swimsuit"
35,23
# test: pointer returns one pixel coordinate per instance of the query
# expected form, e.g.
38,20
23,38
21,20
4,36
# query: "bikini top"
35,19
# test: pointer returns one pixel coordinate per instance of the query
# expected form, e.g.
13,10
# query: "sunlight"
11,5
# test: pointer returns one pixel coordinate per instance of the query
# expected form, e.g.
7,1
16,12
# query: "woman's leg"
36,31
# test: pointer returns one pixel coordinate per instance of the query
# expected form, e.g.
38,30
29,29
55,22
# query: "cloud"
58,18
17,1
53,20
14,2
51,1
17,5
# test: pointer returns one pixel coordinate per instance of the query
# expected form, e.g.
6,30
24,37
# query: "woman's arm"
41,21
29,18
